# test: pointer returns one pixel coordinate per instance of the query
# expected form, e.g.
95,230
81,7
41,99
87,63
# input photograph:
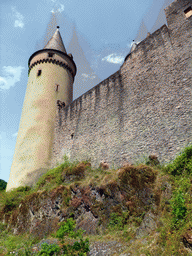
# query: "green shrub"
182,163
67,229
49,249
116,222
23,188
178,208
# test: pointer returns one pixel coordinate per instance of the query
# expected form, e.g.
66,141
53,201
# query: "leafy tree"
3,184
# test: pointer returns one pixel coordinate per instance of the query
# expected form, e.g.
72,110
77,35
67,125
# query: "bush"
137,176
116,222
3,185
178,208
49,249
182,163
68,230
23,189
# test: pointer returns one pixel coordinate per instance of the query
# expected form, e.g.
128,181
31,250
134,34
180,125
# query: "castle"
144,108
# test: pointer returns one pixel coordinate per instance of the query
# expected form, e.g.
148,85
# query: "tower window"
72,135
50,54
39,72
57,87
188,12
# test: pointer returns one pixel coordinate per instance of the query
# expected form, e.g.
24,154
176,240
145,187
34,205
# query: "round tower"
50,86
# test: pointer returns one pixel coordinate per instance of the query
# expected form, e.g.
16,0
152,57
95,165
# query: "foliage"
23,188
3,184
68,230
49,249
178,208
10,200
19,243
182,163
117,221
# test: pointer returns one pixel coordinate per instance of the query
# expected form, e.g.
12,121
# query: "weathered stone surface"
187,239
142,109
147,226
39,215
91,206
106,249
88,223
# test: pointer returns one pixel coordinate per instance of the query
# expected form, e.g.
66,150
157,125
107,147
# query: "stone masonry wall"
143,108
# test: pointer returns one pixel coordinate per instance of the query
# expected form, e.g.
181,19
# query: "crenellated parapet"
56,57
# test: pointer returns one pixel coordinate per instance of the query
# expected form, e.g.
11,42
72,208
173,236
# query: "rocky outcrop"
148,225
90,205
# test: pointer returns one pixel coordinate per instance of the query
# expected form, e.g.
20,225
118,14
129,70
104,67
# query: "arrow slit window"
39,72
57,87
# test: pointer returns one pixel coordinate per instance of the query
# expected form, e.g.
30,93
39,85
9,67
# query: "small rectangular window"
56,87
39,72
188,12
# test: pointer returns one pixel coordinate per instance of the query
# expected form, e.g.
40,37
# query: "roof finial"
56,42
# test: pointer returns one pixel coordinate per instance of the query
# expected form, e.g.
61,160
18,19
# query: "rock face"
38,215
148,225
127,200
106,249
130,194
88,222
187,239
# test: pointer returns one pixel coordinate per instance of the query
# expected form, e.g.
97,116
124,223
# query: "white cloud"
18,18
90,76
114,58
15,134
58,8
11,76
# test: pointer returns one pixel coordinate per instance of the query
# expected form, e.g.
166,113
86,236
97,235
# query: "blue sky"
99,34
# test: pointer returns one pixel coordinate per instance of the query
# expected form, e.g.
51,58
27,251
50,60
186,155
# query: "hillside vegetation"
143,209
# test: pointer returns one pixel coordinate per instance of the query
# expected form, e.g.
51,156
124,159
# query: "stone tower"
49,88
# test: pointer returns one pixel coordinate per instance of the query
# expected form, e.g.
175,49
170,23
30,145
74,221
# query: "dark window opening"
188,12
39,72
50,54
57,87
72,135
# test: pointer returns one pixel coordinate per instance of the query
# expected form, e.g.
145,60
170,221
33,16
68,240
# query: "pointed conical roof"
56,42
